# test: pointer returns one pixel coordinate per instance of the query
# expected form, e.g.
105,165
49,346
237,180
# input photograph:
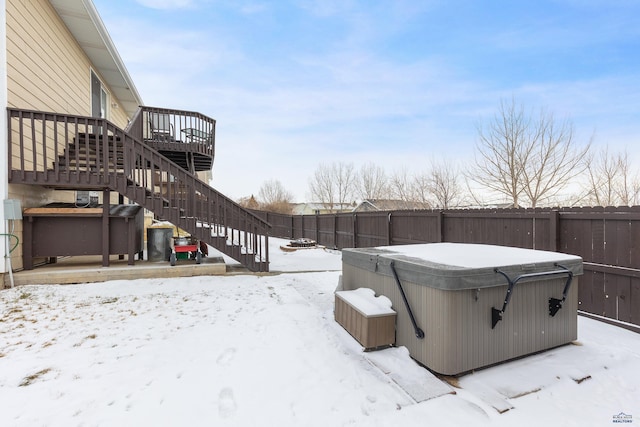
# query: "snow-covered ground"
244,350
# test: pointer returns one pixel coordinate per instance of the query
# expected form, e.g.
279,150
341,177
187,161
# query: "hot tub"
462,307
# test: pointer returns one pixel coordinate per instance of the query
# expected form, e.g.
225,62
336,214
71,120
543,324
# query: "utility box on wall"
12,209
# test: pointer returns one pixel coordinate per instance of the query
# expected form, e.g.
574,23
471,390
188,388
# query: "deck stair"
89,153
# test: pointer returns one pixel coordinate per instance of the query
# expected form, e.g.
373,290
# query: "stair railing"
67,151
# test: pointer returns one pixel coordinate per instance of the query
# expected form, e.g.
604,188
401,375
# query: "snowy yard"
245,350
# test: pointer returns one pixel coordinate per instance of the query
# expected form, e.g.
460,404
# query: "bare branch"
400,185
333,185
274,197
321,187
527,159
372,182
554,161
610,180
444,184
504,146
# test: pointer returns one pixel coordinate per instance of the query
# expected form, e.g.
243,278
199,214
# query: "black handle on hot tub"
554,304
419,332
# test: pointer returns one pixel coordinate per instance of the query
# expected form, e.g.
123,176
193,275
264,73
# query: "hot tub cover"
458,266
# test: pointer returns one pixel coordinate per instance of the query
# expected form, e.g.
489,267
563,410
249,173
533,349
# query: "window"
103,103
99,98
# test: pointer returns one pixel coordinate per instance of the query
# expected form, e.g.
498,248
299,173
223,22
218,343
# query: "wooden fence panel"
310,227
345,229
298,227
326,230
618,241
596,226
541,232
409,227
608,236
612,292
609,295
607,239
281,224
622,299
495,227
576,237
372,231
591,292
634,301
634,242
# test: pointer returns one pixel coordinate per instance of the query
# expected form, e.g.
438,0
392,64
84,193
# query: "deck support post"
105,227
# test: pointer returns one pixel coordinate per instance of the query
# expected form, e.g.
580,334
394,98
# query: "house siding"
47,70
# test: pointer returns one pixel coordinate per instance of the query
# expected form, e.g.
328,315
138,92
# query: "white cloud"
283,107
167,4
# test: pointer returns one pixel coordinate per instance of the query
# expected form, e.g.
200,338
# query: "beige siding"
47,71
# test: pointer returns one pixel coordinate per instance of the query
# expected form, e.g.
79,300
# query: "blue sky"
398,83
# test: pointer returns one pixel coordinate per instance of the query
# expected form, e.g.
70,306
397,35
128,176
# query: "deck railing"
175,127
75,152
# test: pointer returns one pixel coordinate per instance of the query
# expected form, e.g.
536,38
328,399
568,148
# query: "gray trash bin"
159,243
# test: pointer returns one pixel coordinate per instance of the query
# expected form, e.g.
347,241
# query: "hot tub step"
415,380
369,319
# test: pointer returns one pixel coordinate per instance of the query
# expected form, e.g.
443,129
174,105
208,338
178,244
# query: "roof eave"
83,21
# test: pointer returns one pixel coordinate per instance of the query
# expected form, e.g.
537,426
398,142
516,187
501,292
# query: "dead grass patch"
524,393
33,377
452,381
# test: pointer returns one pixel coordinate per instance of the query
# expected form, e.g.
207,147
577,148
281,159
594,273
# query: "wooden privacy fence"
607,239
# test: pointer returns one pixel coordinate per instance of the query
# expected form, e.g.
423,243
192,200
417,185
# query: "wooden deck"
69,152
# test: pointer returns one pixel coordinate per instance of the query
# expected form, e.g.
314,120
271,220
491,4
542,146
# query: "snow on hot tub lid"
457,266
468,255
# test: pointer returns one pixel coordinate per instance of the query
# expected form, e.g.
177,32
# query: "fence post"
105,227
554,230
355,228
389,220
440,225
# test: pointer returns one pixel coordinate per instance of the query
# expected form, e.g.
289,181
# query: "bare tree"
554,160
249,202
602,172
400,186
610,179
344,176
517,156
420,190
502,150
333,185
274,197
321,187
628,189
372,182
444,184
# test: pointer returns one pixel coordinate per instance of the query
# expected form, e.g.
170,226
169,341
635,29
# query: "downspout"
4,150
